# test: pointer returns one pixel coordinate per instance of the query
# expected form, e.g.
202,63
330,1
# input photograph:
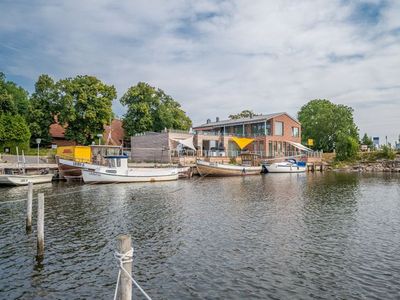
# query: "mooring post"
40,226
29,208
125,283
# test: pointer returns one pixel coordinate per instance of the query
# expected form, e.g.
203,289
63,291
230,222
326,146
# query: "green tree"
150,109
43,108
346,147
243,114
323,121
14,105
13,98
14,132
366,140
84,104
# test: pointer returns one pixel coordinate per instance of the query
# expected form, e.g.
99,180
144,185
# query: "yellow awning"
242,142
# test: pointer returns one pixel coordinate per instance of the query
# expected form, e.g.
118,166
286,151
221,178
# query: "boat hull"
277,168
18,180
70,169
214,169
90,176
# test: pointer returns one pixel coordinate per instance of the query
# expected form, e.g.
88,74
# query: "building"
167,146
272,135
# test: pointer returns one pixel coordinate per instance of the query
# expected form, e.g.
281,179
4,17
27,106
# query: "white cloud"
219,57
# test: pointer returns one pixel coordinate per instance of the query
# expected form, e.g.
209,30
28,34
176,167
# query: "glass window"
295,131
278,128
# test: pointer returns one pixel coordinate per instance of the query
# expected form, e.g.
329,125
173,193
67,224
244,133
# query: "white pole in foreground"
40,226
125,284
29,208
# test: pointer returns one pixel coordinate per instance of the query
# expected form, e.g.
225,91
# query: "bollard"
125,283
40,226
29,208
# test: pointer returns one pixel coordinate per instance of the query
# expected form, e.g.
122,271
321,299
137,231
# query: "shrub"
386,152
346,148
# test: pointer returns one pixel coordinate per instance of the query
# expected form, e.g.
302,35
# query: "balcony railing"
217,133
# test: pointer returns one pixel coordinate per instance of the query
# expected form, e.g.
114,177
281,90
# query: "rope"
126,258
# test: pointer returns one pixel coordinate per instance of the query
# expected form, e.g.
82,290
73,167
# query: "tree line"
82,105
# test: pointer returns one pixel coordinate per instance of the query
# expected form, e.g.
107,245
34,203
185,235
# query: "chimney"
217,119
208,121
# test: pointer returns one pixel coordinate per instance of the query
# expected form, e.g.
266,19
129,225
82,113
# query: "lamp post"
99,136
38,140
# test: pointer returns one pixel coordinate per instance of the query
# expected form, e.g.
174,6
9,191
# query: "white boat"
289,166
117,171
70,169
207,168
24,179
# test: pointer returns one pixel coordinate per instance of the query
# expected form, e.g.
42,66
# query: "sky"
218,57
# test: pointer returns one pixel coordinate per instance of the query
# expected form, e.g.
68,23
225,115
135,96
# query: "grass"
42,152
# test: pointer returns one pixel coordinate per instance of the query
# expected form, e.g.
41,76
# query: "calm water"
277,236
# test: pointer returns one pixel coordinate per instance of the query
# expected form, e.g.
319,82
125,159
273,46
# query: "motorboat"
116,170
71,160
20,177
24,179
288,166
207,168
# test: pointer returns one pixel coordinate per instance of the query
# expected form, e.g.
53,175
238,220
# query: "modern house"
272,135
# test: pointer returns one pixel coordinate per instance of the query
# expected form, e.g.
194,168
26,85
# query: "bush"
386,152
14,132
346,148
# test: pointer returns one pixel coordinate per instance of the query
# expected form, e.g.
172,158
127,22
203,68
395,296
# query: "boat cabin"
117,161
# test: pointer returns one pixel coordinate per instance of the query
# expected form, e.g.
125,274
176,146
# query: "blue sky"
218,57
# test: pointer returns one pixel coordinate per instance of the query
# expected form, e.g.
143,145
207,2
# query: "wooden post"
29,208
40,226
125,283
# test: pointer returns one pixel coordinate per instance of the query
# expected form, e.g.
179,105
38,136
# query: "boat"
207,168
20,177
288,166
24,179
117,171
71,160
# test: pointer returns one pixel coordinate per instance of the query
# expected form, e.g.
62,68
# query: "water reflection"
274,236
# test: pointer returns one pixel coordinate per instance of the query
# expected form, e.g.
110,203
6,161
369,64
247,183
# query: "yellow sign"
310,142
242,142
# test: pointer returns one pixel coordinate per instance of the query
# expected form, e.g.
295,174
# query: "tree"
43,108
14,105
346,147
84,105
14,132
150,109
243,114
323,121
13,98
367,141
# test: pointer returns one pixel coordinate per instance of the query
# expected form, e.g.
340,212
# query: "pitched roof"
117,133
57,131
254,119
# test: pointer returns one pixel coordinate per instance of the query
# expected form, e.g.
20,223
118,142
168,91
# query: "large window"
295,131
258,129
278,128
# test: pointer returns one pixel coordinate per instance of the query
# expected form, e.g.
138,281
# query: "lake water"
276,236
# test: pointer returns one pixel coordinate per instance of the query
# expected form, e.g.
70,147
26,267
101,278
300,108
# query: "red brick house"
116,138
271,135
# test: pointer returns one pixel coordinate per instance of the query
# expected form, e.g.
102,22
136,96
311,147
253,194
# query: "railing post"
125,284
40,227
29,208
